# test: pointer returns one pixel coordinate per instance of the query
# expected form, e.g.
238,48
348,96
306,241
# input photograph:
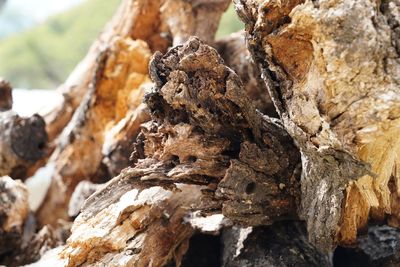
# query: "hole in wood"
250,188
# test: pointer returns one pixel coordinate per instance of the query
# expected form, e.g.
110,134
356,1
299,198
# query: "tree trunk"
270,154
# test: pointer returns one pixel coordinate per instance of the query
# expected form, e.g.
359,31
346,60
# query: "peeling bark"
332,70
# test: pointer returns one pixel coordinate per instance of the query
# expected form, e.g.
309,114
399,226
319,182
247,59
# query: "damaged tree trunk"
23,141
90,146
196,167
282,148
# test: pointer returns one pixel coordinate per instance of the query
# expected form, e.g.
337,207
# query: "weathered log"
281,244
332,70
213,128
204,134
5,95
22,142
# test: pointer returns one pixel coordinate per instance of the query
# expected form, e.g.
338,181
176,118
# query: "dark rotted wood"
380,247
279,245
22,140
234,51
193,86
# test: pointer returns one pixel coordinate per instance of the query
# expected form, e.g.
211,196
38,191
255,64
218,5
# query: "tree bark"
332,70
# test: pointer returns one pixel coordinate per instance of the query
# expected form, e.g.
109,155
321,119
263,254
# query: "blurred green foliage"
43,56
229,23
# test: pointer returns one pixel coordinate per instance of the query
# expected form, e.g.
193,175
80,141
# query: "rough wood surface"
205,141
234,51
22,142
5,95
332,70
97,140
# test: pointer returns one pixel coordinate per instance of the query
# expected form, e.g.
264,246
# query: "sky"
18,15
39,9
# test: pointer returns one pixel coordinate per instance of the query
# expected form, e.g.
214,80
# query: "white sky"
40,9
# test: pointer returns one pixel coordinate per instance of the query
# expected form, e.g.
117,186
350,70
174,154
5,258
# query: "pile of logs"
275,146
